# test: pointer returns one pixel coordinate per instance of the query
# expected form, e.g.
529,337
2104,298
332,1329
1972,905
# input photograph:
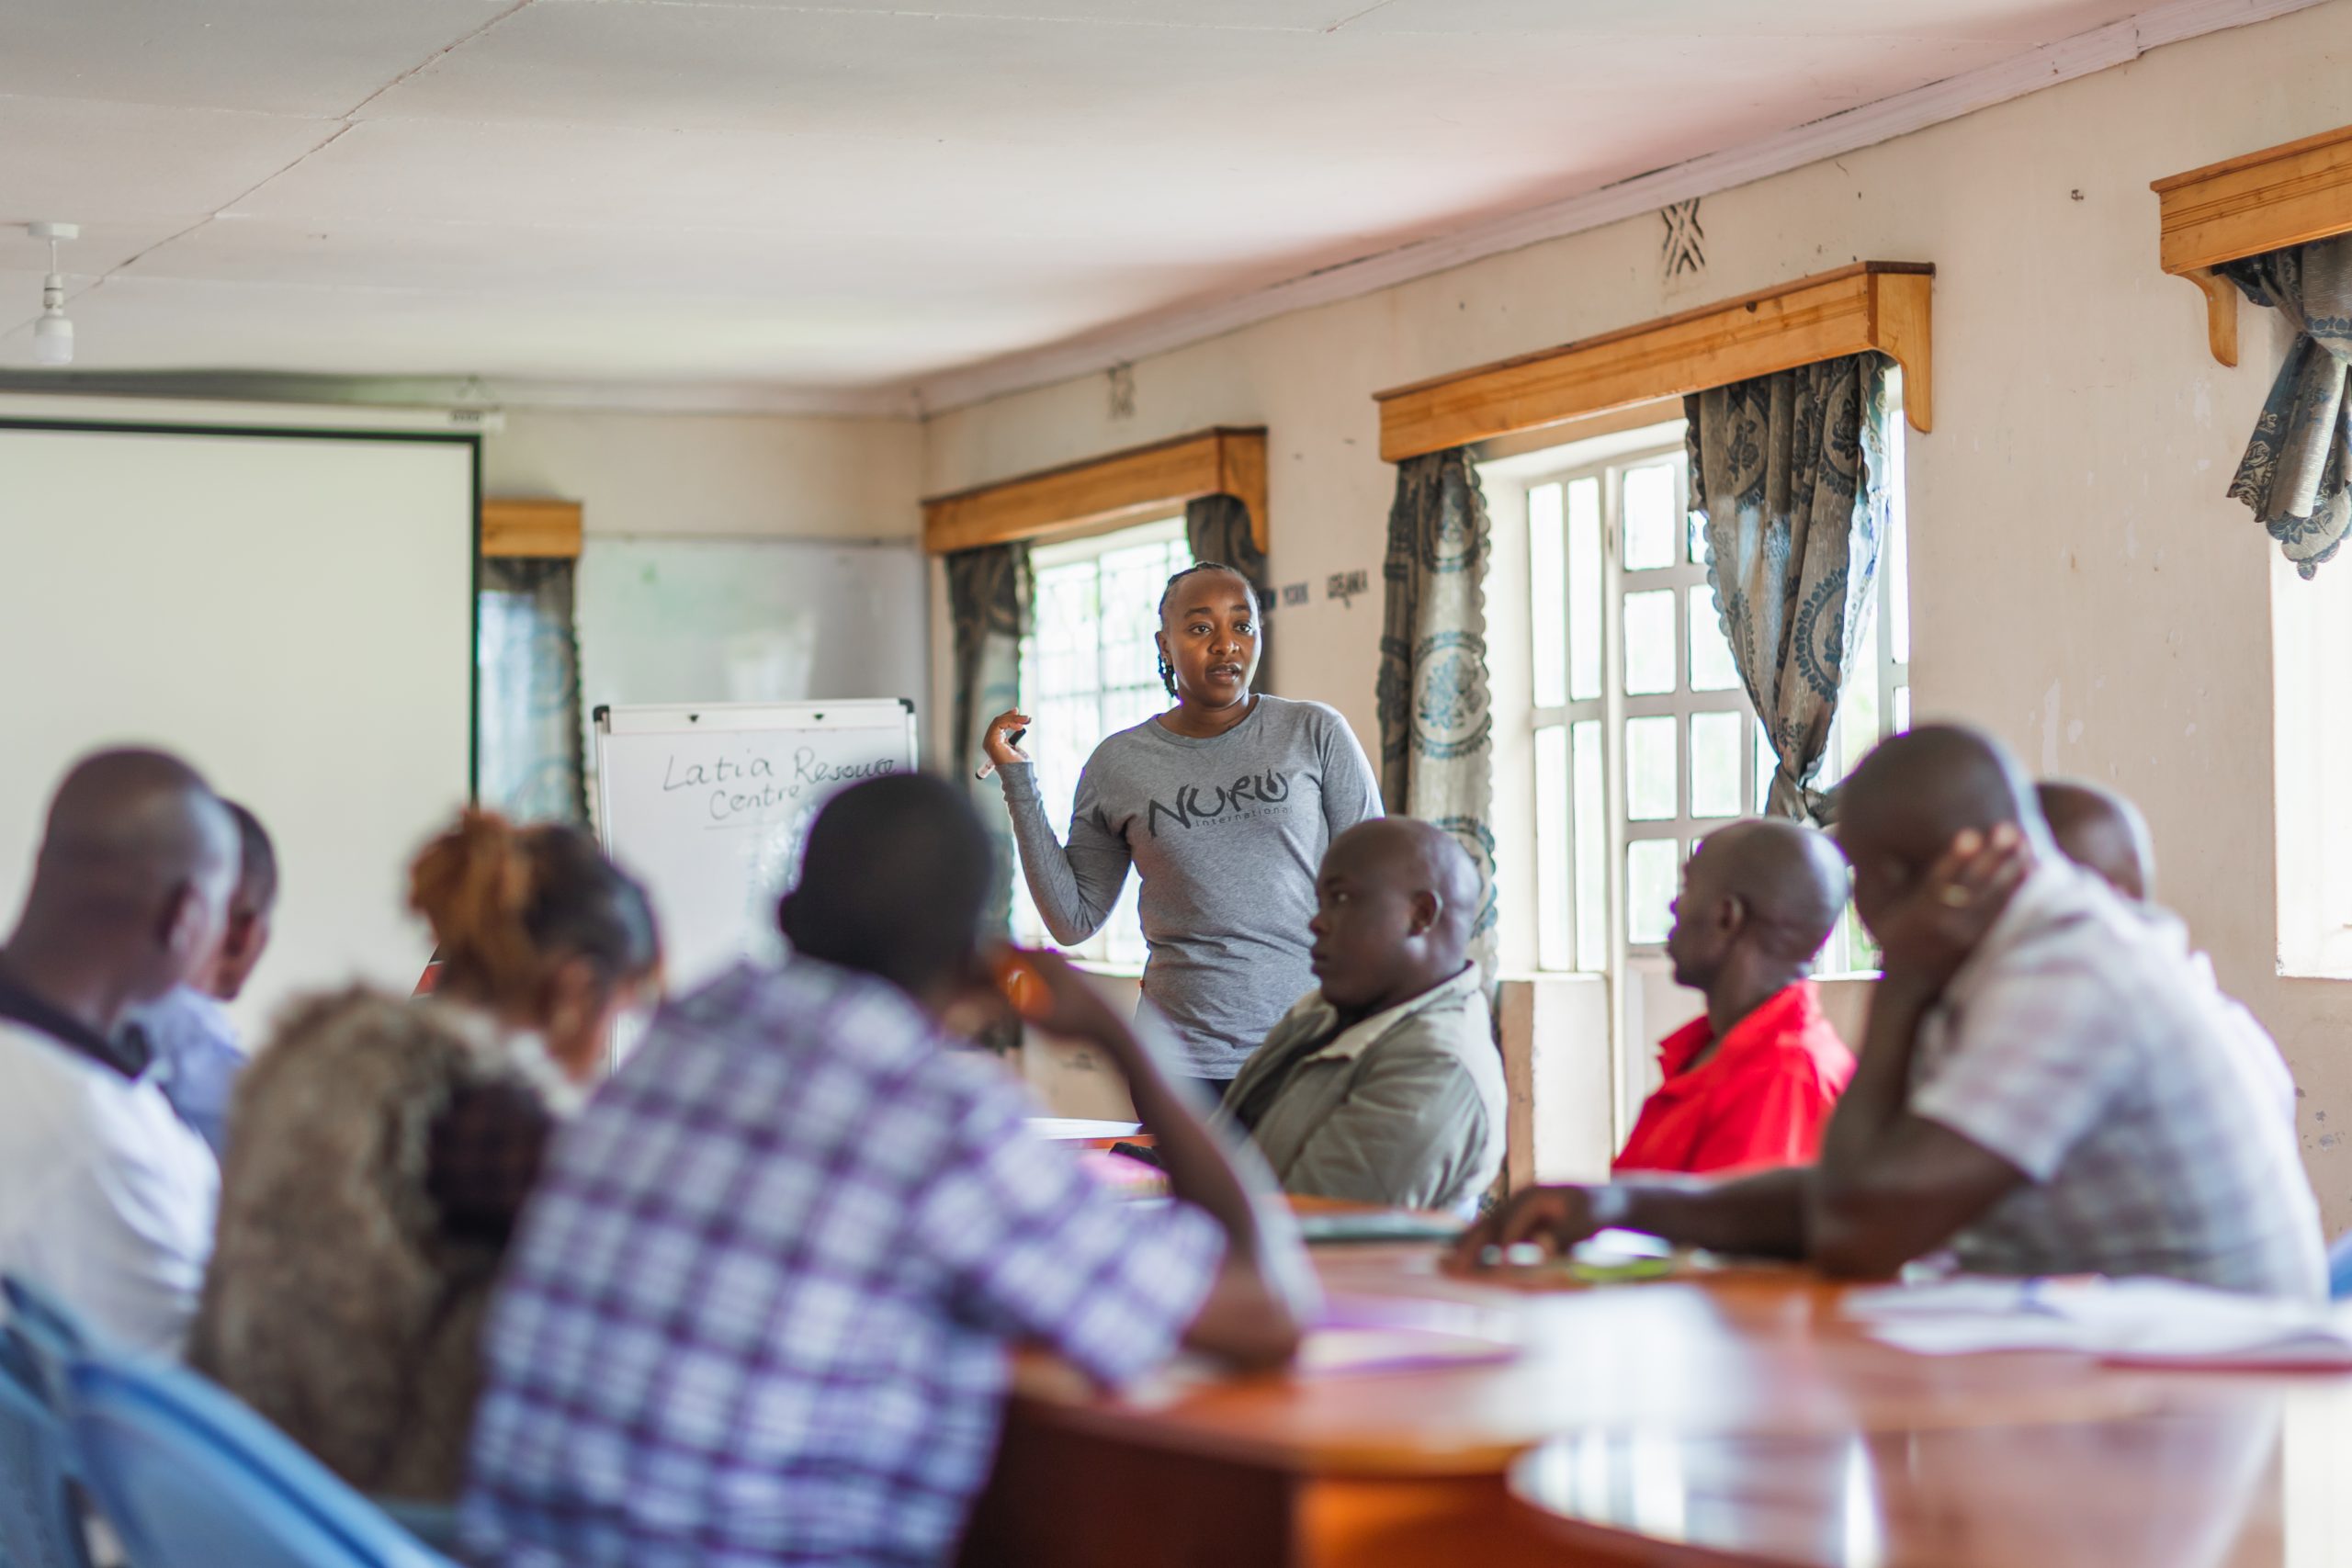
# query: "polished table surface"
2261,1479
1731,1417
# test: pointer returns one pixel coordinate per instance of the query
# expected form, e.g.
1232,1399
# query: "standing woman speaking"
1223,805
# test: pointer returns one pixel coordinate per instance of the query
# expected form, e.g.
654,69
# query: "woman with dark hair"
1224,805
384,1147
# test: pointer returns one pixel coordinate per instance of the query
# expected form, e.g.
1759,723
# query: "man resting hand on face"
1384,1085
2046,1086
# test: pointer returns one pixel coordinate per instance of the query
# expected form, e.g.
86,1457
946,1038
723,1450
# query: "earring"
1168,675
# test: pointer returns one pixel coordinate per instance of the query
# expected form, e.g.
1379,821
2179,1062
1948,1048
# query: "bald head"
1758,899
1913,795
1791,877
1415,856
1917,792
1397,900
2101,832
135,869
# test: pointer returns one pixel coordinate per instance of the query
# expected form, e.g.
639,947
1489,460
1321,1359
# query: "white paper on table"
2158,1322
1064,1129
1608,1249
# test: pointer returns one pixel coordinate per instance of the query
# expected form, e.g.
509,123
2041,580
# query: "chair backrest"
41,1525
50,1334
192,1479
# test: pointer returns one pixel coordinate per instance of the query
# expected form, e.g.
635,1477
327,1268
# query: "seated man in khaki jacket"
1384,1084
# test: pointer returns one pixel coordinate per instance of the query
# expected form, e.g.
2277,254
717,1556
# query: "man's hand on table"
1550,1219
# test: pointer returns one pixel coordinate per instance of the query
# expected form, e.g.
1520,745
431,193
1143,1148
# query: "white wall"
2079,584
715,475
708,477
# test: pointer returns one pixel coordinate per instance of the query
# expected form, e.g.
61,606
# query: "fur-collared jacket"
342,1302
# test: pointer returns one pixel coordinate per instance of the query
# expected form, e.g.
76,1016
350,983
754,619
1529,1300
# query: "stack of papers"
1067,1129
2146,1322
1377,1224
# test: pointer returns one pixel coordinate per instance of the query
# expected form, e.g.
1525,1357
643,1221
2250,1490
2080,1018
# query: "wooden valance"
2241,207
539,529
1870,305
1140,484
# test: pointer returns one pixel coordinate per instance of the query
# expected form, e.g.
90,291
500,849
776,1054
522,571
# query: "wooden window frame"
534,529
1870,305
2288,194
1133,486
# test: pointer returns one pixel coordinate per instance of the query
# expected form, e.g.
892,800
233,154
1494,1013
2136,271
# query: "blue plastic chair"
53,1327
41,1522
190,1478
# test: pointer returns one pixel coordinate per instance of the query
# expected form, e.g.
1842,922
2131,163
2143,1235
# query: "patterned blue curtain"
1216,527
2295,475
1789,473
988,600
533,766
1437,757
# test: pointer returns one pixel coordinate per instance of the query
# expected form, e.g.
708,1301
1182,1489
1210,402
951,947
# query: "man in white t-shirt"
107,1198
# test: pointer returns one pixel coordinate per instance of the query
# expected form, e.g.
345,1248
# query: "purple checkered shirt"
758,1311
2084,1045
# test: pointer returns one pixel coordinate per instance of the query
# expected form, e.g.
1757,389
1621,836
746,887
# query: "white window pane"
1765,764
1130,706
1712,669
1857,715
1696,526
1592,834
1547,560
1652,866
1653,525
1584,590
1650,790
1894,559
1555,860
1902,710
1715,763
1649,642
1088,668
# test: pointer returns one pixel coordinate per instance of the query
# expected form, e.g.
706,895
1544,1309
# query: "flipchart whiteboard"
707,806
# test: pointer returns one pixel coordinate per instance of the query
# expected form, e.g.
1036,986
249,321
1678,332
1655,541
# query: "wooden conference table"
1730,1419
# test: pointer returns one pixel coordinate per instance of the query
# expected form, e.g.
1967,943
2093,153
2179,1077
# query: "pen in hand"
989,766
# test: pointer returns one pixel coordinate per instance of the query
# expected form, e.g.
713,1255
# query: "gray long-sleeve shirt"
1228,834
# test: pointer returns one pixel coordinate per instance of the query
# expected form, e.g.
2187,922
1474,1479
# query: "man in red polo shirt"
1751,1083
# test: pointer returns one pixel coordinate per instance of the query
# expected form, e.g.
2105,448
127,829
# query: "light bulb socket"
53,340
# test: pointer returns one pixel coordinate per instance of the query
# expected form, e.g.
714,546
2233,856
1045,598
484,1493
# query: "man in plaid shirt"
2048,1086
758,1310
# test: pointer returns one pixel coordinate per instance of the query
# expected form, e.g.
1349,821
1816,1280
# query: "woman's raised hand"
997,740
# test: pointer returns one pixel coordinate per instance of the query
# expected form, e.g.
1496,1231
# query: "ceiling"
847,196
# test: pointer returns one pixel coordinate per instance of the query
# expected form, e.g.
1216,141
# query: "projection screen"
293,612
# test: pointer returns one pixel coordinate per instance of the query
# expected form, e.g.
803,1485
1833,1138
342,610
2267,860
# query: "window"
1089,668
2310,631
1642,738
528,722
